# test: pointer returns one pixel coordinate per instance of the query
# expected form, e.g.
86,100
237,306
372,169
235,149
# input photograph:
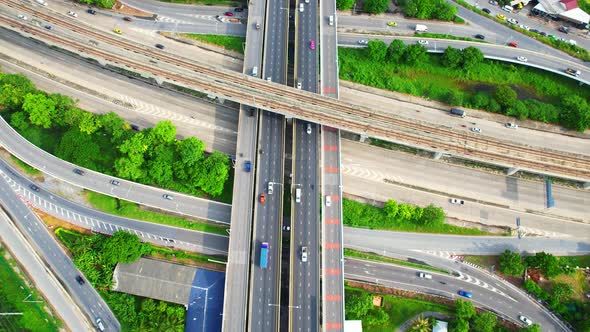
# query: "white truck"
421,28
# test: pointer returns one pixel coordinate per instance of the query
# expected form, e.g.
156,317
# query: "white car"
328,200
304,254
512,21
522,59
476,130
301,7
524,27
72,14
22,17
309,129
270,191
525,320
457,201
299,85
363,42
423,42
511,125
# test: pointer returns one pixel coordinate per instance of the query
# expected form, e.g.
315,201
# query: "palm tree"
421,324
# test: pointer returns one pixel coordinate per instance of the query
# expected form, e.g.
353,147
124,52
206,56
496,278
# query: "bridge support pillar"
363,138
512,170
437,155
586,185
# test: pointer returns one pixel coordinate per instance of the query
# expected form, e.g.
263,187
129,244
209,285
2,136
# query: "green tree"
454,98
114,126
78,148
421,324
452,57
484,322
377,50
19,121
215,173
39,108
13,89
127,168
532,328
471,56
122,247
548,264
561,292
62,104
464,309
405,212
505,96
135,147
344,4
575,113
376,317
422,9
511,263
432,215
461,326
72,117
445,12
357,304
390,208
89,123
395,51
162,133
414,53
160,166
191,150
376,6
518,110
531,287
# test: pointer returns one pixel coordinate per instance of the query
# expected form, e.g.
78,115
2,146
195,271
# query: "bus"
264,255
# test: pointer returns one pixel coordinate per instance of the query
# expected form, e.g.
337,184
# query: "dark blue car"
464,293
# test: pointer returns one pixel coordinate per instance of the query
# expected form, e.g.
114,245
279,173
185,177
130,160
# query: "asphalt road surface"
58,261
488,293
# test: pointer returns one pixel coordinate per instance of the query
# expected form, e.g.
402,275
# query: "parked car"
542,33
78,171
160,46
479,36
476,130
127,18
464,293
423,42
525,320
493,3
511,125
457,201
564,29
262,199
508,9
22,17
229,14
168,197
80,280
534,30
238,9
513,44
72,14
522,59
512,21
487,11
363,42
524,27
312,44
34,188
392,24
91,11
501,17
115,182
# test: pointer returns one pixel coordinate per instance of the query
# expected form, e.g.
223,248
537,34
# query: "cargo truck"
264,255
421,28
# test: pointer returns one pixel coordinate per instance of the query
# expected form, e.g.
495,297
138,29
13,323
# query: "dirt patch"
186,261
55,223
124,9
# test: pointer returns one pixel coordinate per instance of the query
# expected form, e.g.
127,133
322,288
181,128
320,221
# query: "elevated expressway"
235,301
303,105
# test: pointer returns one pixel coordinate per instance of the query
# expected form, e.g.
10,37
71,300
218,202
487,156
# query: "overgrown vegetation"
467,319
401,217
451,37
465,78
131,210
107,144
428,9
558,295
13,291
584,5
30,170
231,3
97,255
228,42
99,3
379,258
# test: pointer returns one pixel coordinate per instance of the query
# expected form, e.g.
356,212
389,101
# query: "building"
440,326
566,10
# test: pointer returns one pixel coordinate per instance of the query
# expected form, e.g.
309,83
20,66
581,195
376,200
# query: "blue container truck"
264,255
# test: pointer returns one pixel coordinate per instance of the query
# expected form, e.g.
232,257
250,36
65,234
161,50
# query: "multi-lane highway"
304,305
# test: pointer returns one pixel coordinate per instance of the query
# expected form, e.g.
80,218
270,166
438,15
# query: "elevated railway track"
304,105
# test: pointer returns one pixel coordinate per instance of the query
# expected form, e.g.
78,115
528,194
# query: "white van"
301,7
331,19
254,71
421,28
298,195
425,275
507,9
328,200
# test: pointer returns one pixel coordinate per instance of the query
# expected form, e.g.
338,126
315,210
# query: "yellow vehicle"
117,31
392,24
501,17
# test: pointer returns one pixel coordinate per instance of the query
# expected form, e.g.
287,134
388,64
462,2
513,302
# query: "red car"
229,14
513,44
262,198
312,44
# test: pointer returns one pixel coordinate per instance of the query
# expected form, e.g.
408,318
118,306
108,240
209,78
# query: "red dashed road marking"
332,326
332,271
331,148
332,245
332,221
329,90
335,197
333,298
331,169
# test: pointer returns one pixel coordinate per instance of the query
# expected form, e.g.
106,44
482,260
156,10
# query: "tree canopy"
511,263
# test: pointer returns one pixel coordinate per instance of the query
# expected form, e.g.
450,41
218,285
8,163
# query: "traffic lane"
134,192
481,245
200,27
448,286
184,238
51,252
158,7
59,300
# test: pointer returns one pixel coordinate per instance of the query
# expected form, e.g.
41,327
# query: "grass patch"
446,36
128,209
364,215
231,43
379,258
30,170
394,146
485,262
581,261
230,3
13,291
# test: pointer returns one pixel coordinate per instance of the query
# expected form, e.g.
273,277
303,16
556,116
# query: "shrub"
377,50
505,96
376,6
344,4
511,263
